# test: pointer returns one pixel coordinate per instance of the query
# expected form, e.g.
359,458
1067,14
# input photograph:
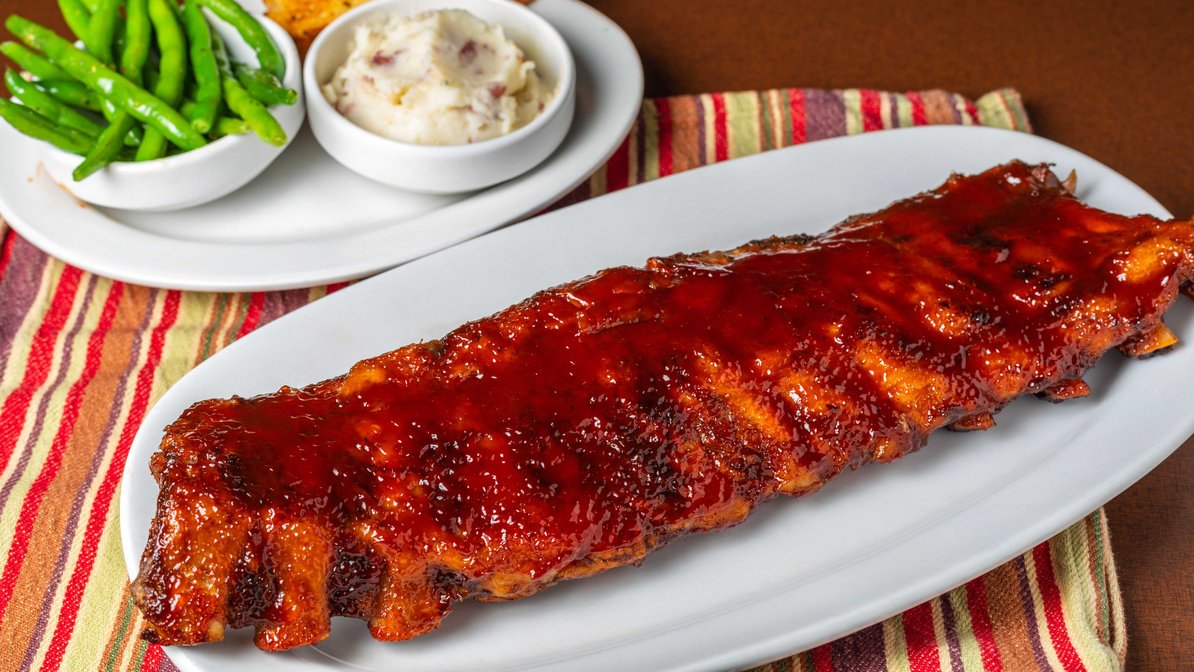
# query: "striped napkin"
82,358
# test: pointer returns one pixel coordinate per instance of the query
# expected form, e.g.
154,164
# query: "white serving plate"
798,573
307,220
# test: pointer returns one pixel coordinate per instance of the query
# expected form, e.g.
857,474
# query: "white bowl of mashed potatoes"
440,96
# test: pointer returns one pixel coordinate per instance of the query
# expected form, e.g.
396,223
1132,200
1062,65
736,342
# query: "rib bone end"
978,422
1067,389
1150,343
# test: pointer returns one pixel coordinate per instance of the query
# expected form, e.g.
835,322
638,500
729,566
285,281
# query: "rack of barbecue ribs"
584,427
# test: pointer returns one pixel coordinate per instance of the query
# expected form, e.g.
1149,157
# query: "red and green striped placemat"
83,357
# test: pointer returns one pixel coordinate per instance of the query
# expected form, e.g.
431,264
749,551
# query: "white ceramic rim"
564,87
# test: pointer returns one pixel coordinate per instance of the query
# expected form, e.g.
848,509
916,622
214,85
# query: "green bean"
111,114
208,89
244,105
49,107
36,126
106,148
139,103
60,85
108,109
172,71
32,62
172,44
77,18
264,86
71,92
117,116
103,31
230,126
223,126
76,136
92,5
254,34
138,36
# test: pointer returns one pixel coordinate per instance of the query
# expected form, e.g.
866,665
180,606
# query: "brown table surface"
1113,80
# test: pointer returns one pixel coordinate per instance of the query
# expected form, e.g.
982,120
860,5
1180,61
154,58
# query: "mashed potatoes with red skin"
438,78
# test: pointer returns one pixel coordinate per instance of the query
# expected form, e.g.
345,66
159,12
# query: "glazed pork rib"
578,430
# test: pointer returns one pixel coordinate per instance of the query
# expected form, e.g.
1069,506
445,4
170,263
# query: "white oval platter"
797,573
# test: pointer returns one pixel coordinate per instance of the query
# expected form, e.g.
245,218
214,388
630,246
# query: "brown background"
1113,80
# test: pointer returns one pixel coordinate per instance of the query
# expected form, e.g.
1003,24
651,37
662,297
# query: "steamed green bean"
254,34
77,18
264,86
71,92
244,105
38,127
172,71
32,62
36,99
208,87
138,102
102,31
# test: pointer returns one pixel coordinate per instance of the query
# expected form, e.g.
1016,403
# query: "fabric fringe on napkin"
82,358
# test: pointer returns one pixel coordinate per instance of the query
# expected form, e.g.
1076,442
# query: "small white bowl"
447,168
197,176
